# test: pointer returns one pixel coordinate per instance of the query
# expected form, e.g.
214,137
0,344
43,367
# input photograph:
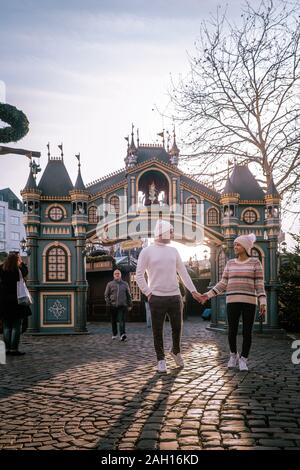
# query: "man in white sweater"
162,263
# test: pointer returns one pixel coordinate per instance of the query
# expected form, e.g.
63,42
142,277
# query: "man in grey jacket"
118,298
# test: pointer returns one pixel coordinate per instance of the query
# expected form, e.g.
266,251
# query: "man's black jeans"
118,314
160,306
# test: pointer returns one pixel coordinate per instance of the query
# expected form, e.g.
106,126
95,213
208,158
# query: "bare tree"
241,98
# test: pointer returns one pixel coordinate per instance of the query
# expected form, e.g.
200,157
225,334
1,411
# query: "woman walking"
11,312
243,281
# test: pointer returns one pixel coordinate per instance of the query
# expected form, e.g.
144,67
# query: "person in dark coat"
11,312
118,299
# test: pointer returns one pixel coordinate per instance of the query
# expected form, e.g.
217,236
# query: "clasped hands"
201,298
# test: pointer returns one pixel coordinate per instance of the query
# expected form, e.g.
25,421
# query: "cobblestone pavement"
89,392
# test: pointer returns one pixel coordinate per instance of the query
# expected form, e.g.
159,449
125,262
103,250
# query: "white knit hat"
247,241
161,227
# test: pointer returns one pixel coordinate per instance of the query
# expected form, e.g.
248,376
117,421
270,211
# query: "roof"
79,185
272,190
14,203
197,185
55,180
228,188
148,152
244,183
106,182
31,183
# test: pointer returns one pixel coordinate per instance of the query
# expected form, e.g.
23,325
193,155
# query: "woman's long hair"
11,263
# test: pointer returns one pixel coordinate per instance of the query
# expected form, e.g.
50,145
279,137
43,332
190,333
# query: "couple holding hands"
242,280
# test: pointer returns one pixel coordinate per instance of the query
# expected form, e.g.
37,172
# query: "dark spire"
272,190
132,147
174,152
79,185
31,183
245,184
130,159
228,189
48,147
61,151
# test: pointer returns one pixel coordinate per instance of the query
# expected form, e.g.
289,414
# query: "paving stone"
92,397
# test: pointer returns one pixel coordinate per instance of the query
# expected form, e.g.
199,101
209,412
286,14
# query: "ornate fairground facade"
60,218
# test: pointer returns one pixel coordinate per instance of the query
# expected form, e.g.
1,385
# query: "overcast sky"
83,71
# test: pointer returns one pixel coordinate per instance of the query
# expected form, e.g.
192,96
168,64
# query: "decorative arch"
56,260
158,170
250,209
48,209
261,253
114,204
191,205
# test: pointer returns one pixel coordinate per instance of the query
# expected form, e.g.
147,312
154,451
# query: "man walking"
118,298
162,263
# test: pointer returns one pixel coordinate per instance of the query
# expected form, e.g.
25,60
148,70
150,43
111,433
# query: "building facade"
126,204
12,230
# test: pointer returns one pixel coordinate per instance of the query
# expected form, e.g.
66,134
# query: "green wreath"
18,123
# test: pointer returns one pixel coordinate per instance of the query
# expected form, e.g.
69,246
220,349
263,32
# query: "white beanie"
161,227
247,241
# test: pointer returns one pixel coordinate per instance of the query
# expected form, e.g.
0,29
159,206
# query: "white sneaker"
178,359
161,366
243,363
114,337
233,360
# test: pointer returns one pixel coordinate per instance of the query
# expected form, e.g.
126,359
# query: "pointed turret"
174,152
31,183
79,185
272,190
228,188
131,157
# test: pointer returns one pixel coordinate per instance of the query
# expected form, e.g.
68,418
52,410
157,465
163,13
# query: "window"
2,231
212,216
114,204
56,264
134,288
191,206
250,216
15,220
2,214
2,246
56,214
229,211
93,217
221,264
15,236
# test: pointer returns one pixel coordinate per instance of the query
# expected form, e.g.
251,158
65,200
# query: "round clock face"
56,214
250,216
